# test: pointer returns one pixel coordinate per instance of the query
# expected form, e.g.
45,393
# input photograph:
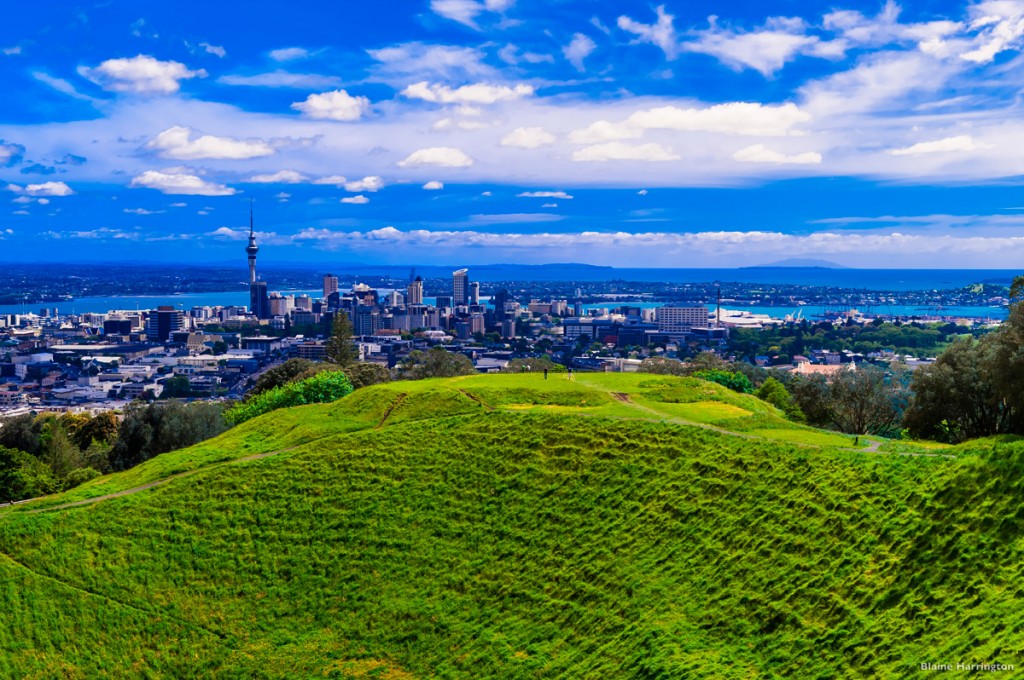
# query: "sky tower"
252,249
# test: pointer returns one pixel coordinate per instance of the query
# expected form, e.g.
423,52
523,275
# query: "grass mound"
437,529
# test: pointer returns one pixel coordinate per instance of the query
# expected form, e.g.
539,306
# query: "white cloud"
179,205
669,248
214,49
279,177
336,105
857,29
511,55
279,78
766,49
42,189
642,192
579,49
759,153
1001,24
335,180
549,205
289,53
141,74
739,118
465,12
356,200
528,138
10,153
177,143
179,182
11,51
142,211
414,61
434,185
444,156
619,151
604,131
662,33
879,81
949,144
544,194
478,93
449,123
60,85
372,183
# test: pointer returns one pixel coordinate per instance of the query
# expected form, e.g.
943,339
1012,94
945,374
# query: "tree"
734,380
958,397
101,428
58,451
810,394
324,387
435,363
776,394
364,374
663,366
340,348
149,429
22,432
533,365
24,476
280,375
177,387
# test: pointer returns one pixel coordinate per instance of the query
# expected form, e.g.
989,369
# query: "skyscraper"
415,296
162,322
460,287
330,284
474,293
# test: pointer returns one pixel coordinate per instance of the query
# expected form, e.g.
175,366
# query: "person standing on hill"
545,374
570,372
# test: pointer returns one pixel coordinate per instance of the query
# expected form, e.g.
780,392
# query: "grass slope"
506,526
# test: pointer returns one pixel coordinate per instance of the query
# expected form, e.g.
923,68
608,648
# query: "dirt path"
477,400
394,405
159,482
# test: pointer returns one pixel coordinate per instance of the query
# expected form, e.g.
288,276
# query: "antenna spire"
250,216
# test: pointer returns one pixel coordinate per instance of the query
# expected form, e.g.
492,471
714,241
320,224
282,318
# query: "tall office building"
330,284
259,302
474,293
681,319
460,287
415,296
162,322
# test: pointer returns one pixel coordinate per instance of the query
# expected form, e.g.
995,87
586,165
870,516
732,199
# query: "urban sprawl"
98,361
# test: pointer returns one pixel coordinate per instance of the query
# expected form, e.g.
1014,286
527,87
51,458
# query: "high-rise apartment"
460,287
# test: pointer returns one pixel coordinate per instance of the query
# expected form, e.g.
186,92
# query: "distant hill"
612,526
800,262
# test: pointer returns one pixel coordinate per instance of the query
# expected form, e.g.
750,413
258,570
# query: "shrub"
735,381
321,388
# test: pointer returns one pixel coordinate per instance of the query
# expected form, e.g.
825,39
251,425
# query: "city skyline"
470,132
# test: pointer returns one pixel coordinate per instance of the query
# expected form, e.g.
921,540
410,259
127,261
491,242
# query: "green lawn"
501,526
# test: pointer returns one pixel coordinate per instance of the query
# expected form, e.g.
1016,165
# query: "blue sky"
681,134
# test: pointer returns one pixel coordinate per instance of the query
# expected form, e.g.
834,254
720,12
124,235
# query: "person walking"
570,372
545,374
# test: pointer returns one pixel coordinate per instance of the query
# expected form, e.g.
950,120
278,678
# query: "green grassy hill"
508,526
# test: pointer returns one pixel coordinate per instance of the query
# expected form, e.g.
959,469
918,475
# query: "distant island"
799,262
